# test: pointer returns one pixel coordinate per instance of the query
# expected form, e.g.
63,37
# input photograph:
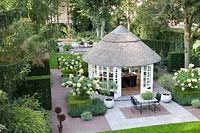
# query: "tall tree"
98,11
147,22
188,11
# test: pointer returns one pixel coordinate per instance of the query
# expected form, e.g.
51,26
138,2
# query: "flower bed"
77,105
188,79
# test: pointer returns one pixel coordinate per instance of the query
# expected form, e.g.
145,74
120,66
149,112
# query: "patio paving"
117,120
71,125
145,113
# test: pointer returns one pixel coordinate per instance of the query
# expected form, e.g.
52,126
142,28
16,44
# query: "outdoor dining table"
145,102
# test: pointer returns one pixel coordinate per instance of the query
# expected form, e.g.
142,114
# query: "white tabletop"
141,100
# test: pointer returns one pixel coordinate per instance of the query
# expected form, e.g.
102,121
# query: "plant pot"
166,97
109,102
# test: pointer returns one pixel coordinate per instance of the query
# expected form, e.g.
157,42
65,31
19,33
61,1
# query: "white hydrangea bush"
82,86
188,78
71,64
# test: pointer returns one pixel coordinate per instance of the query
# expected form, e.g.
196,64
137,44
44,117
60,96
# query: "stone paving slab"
117,120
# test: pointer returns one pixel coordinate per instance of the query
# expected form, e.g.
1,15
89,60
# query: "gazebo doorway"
130,80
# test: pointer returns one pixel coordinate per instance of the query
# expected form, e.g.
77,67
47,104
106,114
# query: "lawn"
189,127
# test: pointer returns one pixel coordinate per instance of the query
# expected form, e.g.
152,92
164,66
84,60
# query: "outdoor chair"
158,97
136,105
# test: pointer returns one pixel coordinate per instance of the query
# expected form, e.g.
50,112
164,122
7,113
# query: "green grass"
186,127
53,59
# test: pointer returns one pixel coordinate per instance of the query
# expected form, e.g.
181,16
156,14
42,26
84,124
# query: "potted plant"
167,82
166,97
106,88
147,95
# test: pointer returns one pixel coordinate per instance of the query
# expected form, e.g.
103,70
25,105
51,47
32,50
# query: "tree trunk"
103,24
98,29
187,42
128,20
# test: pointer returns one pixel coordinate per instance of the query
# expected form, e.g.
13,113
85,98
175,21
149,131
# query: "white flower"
189,84
88,92
182,84
174,78
66,63
76,62
194,80
71,75
191,65
64,59
59,59
81,71
74,94
178,81
78,57
89,85
192,74
69,82
182,88
196,86
188,80
63,84
71,67
175,73
78,84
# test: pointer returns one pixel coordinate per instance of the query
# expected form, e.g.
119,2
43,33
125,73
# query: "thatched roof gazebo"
120,49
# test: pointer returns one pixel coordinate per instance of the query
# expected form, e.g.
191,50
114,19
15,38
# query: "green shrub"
41,86
184,97
54,59
77,101
166,81
27,120
97,107
86,116
147,95
40,70
67,47
175,61
195,103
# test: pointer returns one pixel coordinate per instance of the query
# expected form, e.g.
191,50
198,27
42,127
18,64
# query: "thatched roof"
121,48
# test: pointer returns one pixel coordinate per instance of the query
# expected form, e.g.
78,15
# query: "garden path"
71,125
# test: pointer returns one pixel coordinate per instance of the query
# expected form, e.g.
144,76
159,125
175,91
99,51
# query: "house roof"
121,48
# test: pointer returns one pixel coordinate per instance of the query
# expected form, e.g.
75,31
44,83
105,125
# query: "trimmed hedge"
76,102
41,86
159,46
184,97
54,59
175,61
95,106
40,70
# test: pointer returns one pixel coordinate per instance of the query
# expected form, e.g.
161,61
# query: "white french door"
146,83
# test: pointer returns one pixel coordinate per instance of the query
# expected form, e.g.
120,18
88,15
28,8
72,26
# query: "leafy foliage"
86,116
195,103
166,80
67,47
147,95
188,78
